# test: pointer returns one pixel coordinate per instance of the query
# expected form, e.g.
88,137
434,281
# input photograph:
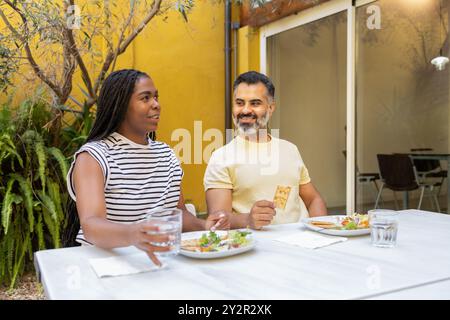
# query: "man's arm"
190,223
214,221
314,203
261,213
219,200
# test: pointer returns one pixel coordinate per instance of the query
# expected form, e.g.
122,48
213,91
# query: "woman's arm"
89,186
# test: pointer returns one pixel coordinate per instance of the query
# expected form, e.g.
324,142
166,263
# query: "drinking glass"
383,227
169,223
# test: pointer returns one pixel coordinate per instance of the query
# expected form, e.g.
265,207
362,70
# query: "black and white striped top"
138,177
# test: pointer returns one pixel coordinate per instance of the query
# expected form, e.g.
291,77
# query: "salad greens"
238,238
208,239
211,241
355,221
350,226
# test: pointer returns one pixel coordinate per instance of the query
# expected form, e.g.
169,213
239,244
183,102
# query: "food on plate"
281,196
239,238
355,221
212,242
352,222
324,224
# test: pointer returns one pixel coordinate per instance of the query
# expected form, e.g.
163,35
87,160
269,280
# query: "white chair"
191,208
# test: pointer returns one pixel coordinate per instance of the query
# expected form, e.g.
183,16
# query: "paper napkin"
123,265
310,240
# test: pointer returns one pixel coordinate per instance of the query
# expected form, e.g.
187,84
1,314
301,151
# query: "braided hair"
113,102
112,105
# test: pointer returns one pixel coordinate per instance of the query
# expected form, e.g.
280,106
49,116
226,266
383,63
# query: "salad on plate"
356,224
218,241
352,222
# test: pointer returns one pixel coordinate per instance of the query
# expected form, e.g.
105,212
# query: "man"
244,176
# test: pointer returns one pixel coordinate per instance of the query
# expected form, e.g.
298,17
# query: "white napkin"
123,265
310,240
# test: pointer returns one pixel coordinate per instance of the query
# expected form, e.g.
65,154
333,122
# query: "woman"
120,174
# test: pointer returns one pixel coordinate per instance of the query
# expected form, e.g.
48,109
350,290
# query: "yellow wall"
248,49
186,61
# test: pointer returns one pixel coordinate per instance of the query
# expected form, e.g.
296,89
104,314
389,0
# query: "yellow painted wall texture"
248,49
186,62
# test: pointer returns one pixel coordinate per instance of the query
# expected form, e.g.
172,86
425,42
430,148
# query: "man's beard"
251,129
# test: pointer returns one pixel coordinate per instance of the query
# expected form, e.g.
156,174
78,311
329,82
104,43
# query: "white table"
419,267
439,290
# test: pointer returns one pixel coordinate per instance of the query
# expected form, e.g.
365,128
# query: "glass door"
358,79
308,65
402,103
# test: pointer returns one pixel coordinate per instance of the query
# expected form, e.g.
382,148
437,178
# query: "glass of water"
169,223
383,227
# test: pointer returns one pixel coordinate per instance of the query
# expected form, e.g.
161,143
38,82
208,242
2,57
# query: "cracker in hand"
281,196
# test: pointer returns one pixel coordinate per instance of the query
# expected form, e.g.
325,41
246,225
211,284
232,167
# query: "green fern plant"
32,188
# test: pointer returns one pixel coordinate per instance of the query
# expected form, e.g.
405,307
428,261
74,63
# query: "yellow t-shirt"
253,171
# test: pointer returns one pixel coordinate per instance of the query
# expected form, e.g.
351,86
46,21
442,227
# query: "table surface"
439,290
418,268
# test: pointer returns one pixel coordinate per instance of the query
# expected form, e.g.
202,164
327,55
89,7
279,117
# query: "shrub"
32,188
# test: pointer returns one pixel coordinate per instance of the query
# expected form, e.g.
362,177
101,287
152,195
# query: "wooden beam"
273,10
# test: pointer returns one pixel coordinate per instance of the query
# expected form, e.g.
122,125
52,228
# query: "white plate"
215,254
332,232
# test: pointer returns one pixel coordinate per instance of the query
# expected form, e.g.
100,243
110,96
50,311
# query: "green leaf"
40,232
2,259
50,216
80,139
8,201
27,193
42,160
63,165
48,204
10,254
55,195
52,227
9,148
19,262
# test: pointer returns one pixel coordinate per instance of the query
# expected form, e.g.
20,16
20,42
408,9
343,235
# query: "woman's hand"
140,238
219,220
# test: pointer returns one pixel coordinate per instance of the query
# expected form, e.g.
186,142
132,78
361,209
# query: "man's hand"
219,220
261,214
